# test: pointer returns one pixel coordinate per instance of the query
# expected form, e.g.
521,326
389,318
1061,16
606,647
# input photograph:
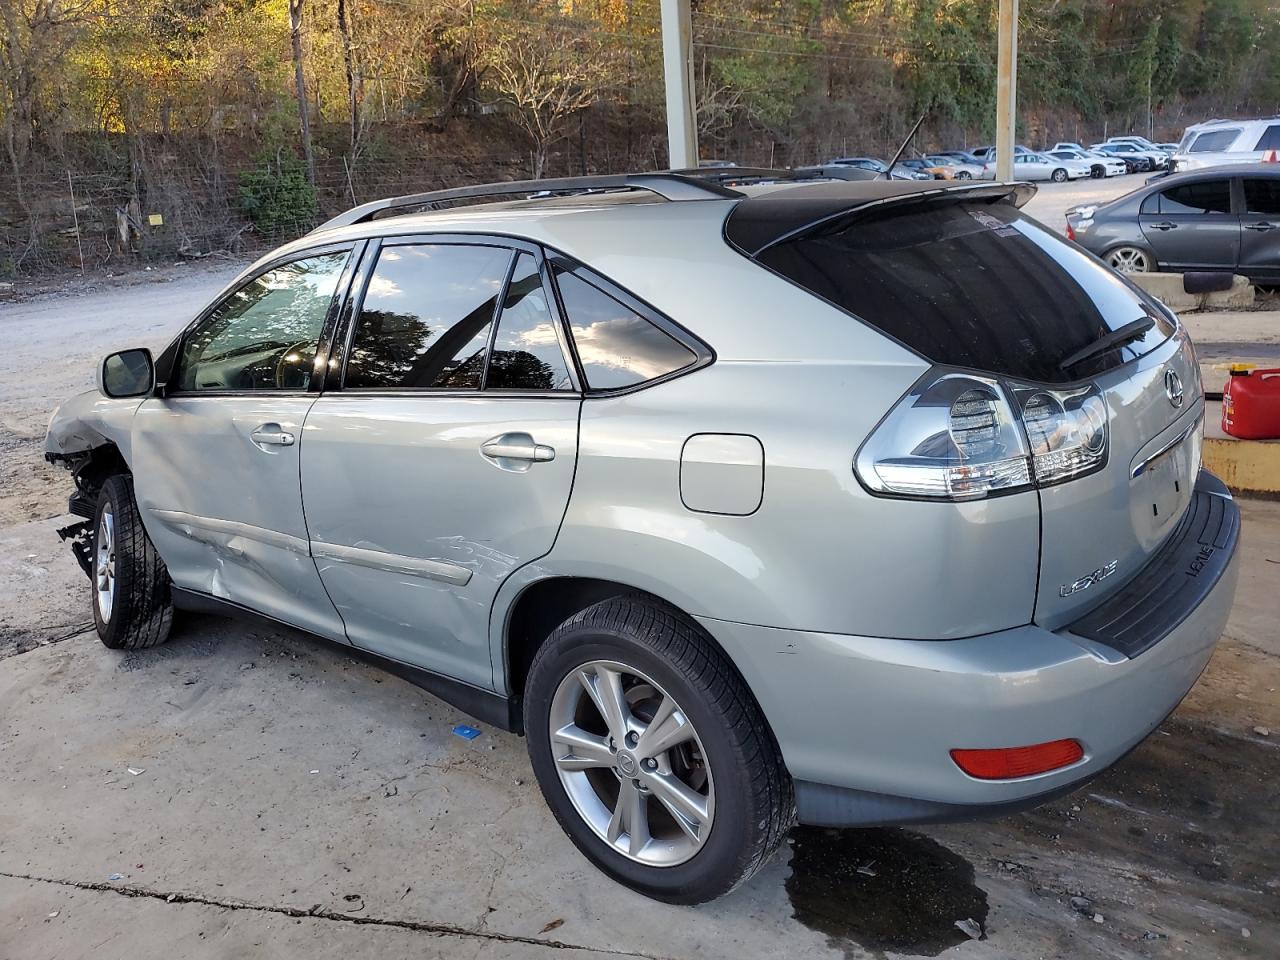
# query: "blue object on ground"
465,732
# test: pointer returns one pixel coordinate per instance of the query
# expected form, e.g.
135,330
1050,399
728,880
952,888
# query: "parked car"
899,172
1064,145
988,152
1100,164
963,156
1156,159
1216,142
960,169
559,462
1039,166
1137,161
1142,143
936,171
1224,218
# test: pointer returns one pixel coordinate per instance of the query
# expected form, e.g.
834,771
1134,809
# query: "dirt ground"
248,792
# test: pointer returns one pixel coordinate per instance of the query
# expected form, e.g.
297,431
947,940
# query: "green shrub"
278,198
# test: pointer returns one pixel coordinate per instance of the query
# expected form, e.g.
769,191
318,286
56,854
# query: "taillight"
1071,231
960,436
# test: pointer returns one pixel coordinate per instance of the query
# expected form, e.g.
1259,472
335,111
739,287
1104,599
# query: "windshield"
973,285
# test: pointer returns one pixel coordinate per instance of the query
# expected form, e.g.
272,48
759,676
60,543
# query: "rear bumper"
865,724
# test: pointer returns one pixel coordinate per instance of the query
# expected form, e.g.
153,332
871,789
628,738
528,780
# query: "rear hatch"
966,281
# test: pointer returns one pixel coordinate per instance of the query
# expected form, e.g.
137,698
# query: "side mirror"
129,373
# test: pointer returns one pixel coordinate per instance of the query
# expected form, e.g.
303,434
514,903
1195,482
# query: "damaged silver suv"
745,499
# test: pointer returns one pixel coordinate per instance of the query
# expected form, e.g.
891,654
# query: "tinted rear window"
1215,141
972,285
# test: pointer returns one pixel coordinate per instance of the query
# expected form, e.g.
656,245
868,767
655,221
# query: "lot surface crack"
418,926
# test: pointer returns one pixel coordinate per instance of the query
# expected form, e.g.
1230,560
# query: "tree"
546,77
300,87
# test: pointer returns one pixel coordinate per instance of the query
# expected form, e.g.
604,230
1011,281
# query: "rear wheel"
1130,260
964,175
652,754
1059,176
132,606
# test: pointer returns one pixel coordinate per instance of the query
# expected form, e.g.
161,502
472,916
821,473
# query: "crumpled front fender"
87,421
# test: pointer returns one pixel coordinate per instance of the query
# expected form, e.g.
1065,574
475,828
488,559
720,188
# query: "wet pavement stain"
885,890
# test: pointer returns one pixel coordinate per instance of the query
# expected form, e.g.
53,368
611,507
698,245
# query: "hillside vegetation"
149,128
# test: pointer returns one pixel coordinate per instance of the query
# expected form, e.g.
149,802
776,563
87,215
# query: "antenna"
888,174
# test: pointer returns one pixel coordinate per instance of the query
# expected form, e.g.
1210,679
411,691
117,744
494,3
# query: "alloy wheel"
104,564
631,763
1129,260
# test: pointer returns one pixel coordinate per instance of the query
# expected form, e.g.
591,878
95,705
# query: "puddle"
885,890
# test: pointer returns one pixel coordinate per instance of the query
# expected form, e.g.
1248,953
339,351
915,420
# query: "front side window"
1204,196
266,334
617,346
1262,196
1215,141
1270,139
526,351
426,317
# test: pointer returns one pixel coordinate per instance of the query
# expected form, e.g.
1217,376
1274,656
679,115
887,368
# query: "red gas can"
1251,404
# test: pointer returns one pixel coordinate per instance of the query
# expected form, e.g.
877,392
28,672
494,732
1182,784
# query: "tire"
964,175
1059,176
728,763
1129,259
1097,171
129,583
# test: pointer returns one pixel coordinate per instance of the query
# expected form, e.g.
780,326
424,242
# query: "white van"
1216,142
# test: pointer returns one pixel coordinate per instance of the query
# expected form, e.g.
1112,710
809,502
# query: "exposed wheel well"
94,469
547,604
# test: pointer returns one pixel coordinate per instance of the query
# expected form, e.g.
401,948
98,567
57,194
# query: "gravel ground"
293,802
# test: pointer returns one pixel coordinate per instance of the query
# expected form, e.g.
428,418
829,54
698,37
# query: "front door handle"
270,435
1262,225
1165,225
516,451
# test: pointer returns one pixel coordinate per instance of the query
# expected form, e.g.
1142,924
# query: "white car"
1216,142
1100,164
1039,166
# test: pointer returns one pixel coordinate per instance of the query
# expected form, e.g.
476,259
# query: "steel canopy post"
1006,88
677,63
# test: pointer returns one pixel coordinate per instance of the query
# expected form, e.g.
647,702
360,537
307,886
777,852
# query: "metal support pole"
75,218
1006,88
677,63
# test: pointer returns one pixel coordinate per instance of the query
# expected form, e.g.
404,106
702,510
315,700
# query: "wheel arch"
545,603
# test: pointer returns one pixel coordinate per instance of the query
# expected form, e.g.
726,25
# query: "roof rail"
673,185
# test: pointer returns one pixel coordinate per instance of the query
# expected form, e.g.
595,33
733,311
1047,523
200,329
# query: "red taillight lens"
1009,763
1071,232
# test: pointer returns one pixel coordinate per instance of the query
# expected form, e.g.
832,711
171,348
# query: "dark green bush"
278,198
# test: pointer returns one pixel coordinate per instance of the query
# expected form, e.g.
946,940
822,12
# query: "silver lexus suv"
746,499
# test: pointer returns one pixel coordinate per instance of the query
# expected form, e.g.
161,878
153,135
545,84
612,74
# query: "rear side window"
1270,139
426,317
970,285
1262,196
1215,141
526,351
617,346
1204,196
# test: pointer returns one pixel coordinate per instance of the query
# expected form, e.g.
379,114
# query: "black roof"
765,219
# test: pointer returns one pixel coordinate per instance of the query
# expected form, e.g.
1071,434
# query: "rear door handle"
1262,225
516,451
270,435
1165,225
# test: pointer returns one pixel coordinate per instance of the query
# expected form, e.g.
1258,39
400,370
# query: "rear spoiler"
766,220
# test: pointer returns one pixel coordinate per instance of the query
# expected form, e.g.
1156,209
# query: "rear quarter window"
971,285
1215,141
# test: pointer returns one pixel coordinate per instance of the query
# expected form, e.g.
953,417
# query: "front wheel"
1097,171
1059,176
1130,260
652,753
132,606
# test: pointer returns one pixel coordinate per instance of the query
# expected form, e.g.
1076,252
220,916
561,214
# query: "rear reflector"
1010,763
